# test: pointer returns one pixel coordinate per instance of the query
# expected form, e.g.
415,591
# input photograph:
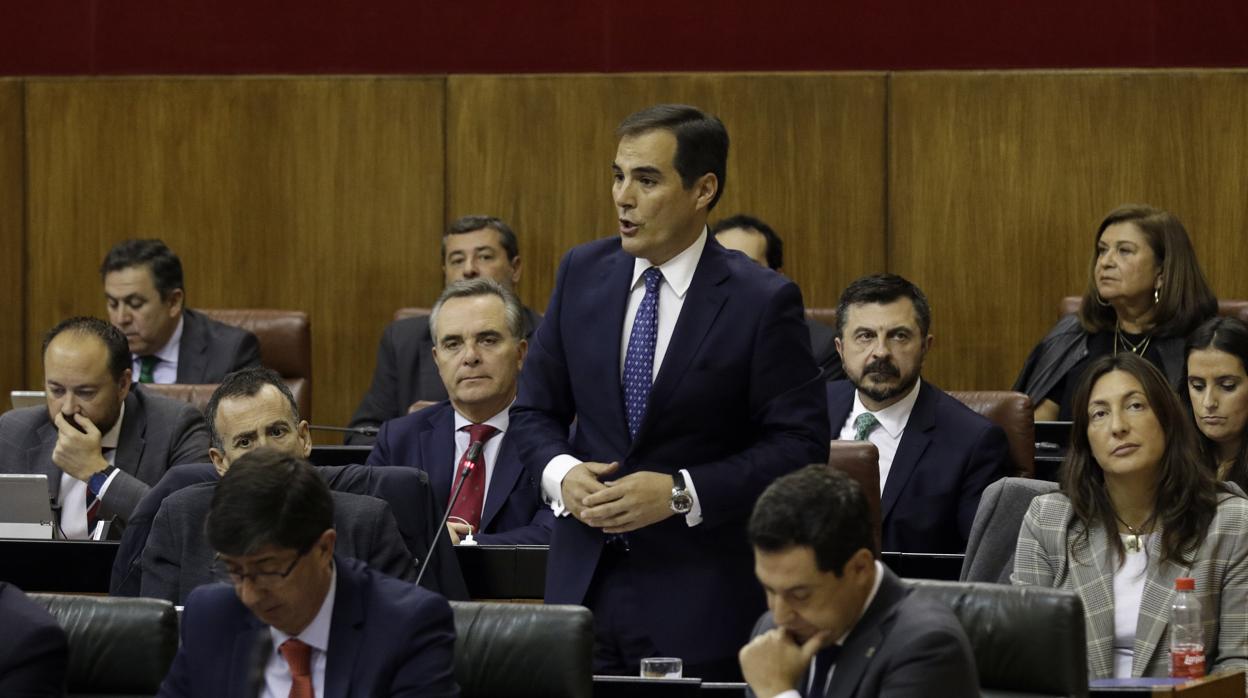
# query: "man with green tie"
169,343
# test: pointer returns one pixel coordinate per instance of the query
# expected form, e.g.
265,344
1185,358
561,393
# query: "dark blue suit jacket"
513,513
386,637
737,402
948,454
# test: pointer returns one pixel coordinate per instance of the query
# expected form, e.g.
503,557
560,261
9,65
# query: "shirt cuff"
107,481
694,517
788,694
552,481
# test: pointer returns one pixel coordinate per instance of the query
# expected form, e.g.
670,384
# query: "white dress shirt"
165,370
277,679
677,276
500,422
73,494
810,672
887,436
1128,594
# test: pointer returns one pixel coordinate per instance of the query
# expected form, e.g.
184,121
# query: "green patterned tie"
147,364
864,425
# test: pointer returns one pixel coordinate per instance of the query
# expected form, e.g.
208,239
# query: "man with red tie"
479,345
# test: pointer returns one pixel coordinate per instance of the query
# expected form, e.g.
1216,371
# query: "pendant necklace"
1137,348
1132,542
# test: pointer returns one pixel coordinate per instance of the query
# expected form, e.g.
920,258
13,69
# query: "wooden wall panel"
807,156
322,195
997,182
13,344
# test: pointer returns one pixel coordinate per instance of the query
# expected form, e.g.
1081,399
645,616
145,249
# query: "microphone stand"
470,464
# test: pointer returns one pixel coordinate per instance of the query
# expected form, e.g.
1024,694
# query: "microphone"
470,464
361,431
259,662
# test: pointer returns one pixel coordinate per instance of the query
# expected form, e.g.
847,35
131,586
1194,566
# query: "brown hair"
1185,298
1186,495
1230,336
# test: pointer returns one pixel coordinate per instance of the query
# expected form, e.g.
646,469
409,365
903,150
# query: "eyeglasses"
225,573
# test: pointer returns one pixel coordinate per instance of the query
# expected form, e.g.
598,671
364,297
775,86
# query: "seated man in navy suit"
936,455
169,343
255,409
294,618
478,325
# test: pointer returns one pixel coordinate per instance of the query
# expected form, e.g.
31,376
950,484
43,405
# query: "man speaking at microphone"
688,371
294,619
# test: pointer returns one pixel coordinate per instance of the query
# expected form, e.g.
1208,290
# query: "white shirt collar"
499,421
875,587
894,417
677,271
169,352
316,635
110,438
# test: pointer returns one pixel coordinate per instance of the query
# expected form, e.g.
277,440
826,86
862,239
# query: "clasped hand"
78,452
616,506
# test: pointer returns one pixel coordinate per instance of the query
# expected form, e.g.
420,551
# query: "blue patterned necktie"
864,425
639,360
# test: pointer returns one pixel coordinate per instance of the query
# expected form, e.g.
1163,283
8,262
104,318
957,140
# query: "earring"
1156,296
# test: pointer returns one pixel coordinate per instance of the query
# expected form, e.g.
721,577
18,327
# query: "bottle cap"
1184,584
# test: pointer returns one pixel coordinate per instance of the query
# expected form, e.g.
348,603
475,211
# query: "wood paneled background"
329,195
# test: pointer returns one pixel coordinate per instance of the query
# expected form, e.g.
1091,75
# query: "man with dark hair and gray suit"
101,444
169,343
254,409
840,623
406,373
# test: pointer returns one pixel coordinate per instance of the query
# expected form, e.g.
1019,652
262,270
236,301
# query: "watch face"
682,503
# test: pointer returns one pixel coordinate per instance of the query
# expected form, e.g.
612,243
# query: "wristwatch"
96,482
682,502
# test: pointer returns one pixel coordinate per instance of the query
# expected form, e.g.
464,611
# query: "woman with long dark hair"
1138,509
1216,392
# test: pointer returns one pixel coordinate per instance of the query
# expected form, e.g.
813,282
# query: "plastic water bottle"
1187,638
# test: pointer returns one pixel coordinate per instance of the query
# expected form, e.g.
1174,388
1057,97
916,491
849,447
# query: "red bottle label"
1187,662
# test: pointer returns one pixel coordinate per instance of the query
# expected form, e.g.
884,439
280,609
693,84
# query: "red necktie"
298,656
472,497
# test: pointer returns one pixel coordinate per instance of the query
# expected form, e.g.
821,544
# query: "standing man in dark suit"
34,652
101,444
473,246
310,623
479,350
756,240
688,371
841,624
169,342
936,455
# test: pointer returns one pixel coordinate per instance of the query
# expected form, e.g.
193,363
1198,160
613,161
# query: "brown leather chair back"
190,393
861,460
825,315
1226,308
1014,413
404,313
285,345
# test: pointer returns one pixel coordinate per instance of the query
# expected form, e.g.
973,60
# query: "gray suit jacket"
1052,554
904,645
156,434
405,373
177,557
994,534
210,350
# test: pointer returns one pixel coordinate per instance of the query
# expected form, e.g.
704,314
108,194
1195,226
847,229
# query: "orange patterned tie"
298,656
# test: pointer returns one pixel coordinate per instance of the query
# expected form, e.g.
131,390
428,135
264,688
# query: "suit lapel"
191,349
507,469
1154,605
1092,574
840,404
437,452
40,458
243,659
346,631
703,301
130,441
865,638
613,301
913,443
